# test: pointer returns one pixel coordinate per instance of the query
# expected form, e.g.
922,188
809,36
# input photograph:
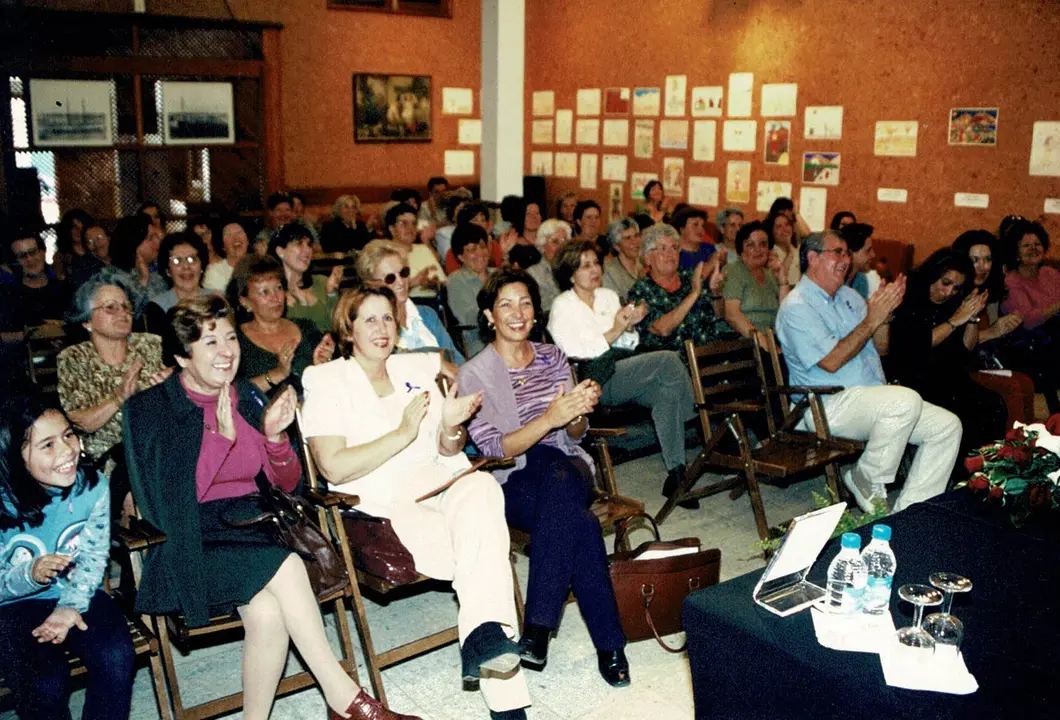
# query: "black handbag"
601,368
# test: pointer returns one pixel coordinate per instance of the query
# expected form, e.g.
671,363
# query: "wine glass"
915,636
946,629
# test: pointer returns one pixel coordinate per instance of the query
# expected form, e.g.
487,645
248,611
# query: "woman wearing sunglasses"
384,263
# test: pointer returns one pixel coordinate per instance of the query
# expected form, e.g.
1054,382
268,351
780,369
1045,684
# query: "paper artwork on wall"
973,126
741,90
588,101
564,126
566,164
776,142
703,191
820,168
1045,149
673,134
201,113
706,101
813,206
616,207
544,103
892,195
738,182
541,163
616,101
643,138
971,200
1052,206
460,162
768,191
675,95
779,100
896,138
704,137
587,132
469,131
616,133
613,167
589,166
646,102
823,122
739,135
71,113
457,101
541,132
674,176
637,181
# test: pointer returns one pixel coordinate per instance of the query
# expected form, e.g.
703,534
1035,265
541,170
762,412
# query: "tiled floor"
570,686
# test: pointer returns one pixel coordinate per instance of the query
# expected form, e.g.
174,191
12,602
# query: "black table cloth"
749,663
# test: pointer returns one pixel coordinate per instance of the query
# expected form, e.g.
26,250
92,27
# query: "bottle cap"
851,540
881,532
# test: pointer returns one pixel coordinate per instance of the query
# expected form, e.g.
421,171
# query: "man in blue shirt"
830,336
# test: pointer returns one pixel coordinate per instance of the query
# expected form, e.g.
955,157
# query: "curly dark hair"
995,281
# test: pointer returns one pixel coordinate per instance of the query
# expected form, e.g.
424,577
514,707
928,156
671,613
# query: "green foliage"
847,521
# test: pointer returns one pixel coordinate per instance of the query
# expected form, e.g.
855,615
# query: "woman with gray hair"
343,233
551,236
624,238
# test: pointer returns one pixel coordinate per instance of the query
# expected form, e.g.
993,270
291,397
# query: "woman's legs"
550,499
264,653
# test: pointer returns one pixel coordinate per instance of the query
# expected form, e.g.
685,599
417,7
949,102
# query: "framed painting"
392,108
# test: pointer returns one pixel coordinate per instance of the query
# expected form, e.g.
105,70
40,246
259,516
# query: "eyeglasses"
391,278
176,261
113,308
26,253
838,252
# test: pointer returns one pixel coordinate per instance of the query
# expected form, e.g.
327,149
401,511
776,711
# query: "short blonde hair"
341,200
346,309
368,260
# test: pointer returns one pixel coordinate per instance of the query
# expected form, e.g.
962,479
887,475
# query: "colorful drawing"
777,139
673,134
646,101
675,95
706,101
820,168
738,182
637,181
973,126
674,176
823,122
896,138
616,101
643,138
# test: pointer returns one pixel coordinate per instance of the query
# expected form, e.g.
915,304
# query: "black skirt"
238,562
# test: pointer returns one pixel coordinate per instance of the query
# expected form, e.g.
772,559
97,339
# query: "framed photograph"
392,108
71,113
196,113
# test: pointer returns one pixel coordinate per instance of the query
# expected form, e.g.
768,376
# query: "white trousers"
886,418
461,535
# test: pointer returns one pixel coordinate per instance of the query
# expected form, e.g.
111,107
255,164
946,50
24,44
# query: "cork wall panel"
903,60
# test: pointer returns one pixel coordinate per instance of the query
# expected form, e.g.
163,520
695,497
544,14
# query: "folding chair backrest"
771,373
308,466
43,345
725,378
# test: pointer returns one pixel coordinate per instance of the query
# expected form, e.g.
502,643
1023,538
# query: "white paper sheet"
1052,206
703,191
544,101
739,135
646,101
457,101
564,126
613,167
469,131
588,101
587,132
616,133
541,163
707,101
893,195
675,95
541,132
673,134
942,671
741,91
859,632
590,162
1045,149
704,139
460,162
804,540
813,206
566,165
896,138
779,100
823,122
768,191
971,200
643,138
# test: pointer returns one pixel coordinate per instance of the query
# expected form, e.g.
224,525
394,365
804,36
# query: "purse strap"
647,592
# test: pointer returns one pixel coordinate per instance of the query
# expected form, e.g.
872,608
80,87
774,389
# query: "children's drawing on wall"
1045,149
777,138
973,126
675,95
896,138
674,176
706,101
820,168
615,209
823,122
646,101
738,182
643,138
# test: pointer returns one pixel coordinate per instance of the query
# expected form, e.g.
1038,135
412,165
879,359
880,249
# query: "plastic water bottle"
847,577
880,563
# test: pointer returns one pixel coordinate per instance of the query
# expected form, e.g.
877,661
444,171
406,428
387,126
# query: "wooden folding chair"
729,380
376,660
43,345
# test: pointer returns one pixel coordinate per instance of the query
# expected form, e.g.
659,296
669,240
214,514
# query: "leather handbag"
290,519
651,592
377,549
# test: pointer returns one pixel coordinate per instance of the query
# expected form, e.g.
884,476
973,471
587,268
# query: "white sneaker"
860,487
879,497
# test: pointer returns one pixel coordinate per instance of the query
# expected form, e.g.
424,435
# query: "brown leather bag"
650,593
377,549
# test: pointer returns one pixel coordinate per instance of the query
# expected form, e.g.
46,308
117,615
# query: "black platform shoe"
519,714
673,480
613,667
533,647
487,650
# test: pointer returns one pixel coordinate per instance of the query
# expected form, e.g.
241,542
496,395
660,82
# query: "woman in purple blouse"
532,411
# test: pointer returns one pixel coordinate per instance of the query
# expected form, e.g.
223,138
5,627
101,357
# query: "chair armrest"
140,535
489,464
606,432
806,389
328,498
730,407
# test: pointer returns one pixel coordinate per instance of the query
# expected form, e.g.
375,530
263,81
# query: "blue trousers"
550,498
39,675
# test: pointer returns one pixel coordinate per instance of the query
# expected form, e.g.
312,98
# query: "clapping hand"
413,415
697,279
568,406
160,376
279,414
334,279
226,422
285,357
717,275
458,410
1007,324
58,624
324,350
130,381
970,307
885,301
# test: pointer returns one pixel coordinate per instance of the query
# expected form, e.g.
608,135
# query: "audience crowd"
430,329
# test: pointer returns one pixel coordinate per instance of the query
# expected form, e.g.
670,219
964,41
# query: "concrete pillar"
503,79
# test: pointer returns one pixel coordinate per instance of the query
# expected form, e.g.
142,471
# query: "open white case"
783,588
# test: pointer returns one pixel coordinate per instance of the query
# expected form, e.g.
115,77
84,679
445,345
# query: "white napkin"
1046,440
854,633
913,669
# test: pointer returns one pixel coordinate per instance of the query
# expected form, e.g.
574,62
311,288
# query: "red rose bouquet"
1020,471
